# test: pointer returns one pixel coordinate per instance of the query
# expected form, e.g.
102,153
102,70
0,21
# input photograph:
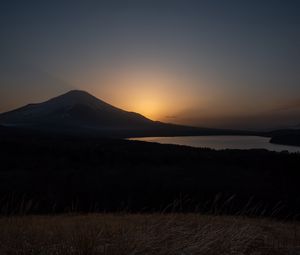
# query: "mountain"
78,111
75,108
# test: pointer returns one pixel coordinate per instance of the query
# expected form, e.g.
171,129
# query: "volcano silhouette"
79,111
75,108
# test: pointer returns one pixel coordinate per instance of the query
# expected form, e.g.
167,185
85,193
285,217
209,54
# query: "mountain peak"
77,97
77,92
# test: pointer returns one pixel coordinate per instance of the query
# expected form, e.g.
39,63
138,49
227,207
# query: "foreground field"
118,234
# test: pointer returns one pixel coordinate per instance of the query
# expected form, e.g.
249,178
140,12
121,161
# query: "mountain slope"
75,108
79,112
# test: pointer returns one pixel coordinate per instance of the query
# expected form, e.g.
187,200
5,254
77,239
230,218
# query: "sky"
225,64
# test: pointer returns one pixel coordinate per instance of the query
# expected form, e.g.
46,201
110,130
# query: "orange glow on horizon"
149,108
152,93
157,93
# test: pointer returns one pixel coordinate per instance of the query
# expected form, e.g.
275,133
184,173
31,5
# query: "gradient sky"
233,64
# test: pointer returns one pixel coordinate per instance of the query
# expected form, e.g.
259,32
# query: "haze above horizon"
203,63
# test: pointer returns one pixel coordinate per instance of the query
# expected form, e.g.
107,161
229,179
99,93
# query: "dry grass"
137,234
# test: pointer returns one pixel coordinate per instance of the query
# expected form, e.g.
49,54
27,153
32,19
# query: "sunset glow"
154,93
195,63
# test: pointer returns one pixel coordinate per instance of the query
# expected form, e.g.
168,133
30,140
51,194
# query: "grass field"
137,234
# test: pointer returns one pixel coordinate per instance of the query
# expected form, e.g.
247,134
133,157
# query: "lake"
222,142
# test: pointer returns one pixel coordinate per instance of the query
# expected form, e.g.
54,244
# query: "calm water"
222,142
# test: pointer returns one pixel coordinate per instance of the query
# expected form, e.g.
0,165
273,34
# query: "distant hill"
80,112
286,137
